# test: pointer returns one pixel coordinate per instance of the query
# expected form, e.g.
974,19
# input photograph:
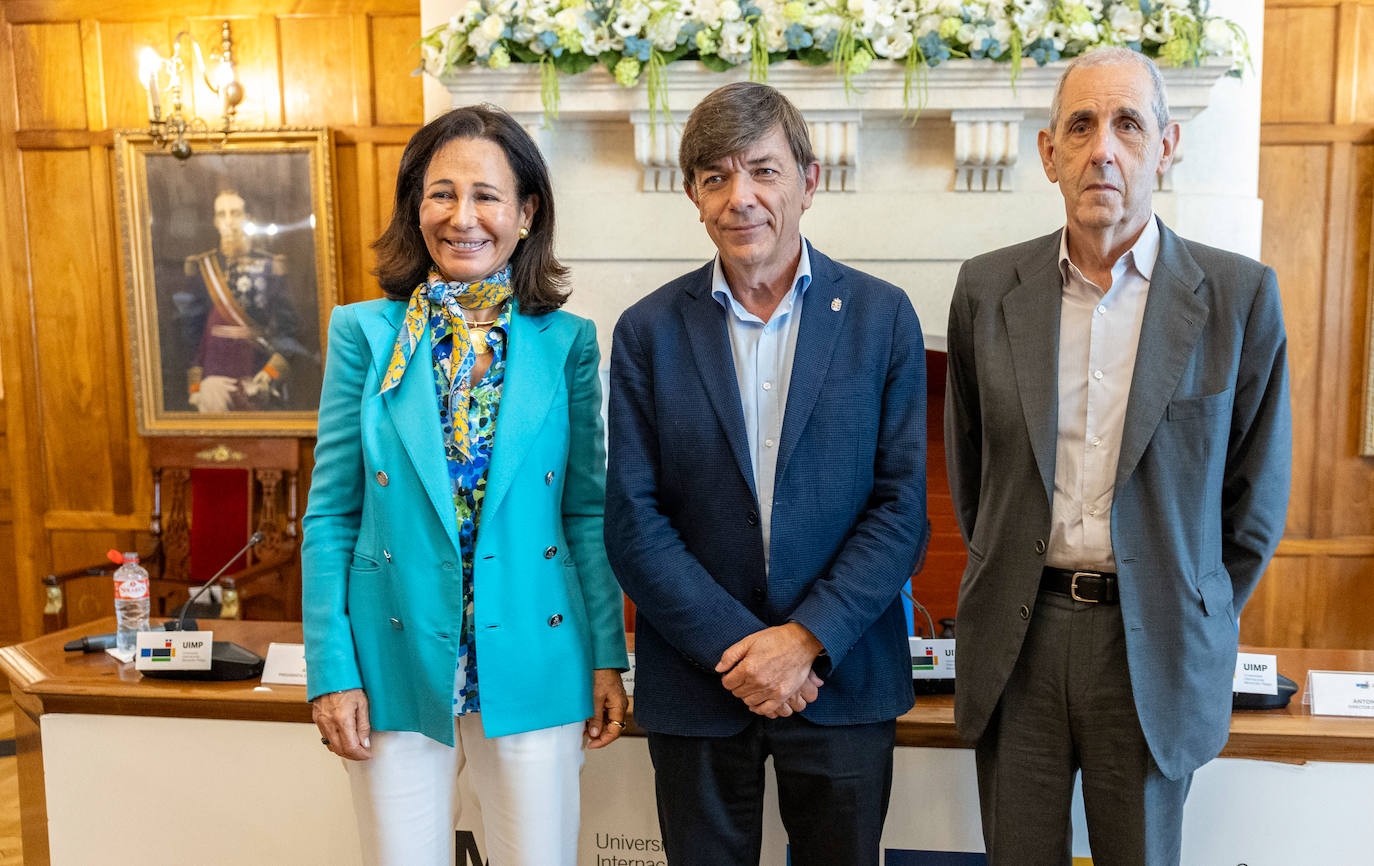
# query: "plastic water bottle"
131,600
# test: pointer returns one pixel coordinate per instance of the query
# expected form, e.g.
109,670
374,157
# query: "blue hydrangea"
987,49
748,11
797,37
827,44
638,48
549,38
1042,51
933,48
689,31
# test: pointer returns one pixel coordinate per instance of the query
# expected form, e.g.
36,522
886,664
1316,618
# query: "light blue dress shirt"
763,353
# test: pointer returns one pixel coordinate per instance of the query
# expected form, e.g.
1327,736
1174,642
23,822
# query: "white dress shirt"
1098,337
763,353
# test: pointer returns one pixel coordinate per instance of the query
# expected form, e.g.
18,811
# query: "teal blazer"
382,576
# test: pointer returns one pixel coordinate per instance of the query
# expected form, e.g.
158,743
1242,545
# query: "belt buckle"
1073,587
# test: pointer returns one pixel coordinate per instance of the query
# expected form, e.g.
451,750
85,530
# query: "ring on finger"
617,723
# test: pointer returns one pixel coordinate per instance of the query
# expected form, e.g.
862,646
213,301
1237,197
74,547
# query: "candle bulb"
148,62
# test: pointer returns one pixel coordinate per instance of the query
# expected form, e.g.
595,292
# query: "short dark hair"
538,280
733,117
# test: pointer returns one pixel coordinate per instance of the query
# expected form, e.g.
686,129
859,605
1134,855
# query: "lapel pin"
835,305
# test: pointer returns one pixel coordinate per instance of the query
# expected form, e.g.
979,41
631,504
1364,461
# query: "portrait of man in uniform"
243,360
233,272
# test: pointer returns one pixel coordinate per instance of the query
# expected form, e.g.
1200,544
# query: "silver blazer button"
550,552
555,620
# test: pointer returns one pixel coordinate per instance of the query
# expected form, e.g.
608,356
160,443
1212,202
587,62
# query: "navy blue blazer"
849,504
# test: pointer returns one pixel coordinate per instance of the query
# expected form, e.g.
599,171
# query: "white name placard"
628,677
173,650
285,664
932,659
1340,693
1256,674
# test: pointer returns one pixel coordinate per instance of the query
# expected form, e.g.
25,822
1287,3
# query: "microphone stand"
228,660
253,541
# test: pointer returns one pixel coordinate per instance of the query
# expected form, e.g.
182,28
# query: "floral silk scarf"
453,298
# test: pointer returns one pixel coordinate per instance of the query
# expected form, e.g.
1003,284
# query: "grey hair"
1114,55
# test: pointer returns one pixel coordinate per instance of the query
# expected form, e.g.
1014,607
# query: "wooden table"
1290,735
45,679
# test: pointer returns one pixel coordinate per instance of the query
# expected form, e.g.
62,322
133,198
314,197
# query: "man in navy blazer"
765,503
1118,436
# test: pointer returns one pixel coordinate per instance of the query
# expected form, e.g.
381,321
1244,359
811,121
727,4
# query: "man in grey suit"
1118,434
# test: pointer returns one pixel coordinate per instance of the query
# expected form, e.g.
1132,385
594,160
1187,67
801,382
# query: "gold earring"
524,233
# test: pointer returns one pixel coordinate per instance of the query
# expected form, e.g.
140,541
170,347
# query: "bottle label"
134,588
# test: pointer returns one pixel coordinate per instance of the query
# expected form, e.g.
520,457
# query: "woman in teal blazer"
459,611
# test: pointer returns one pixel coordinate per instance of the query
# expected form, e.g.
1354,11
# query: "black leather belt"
1094,587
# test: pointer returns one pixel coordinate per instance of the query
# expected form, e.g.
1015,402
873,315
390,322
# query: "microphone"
228,660
91,643
254,540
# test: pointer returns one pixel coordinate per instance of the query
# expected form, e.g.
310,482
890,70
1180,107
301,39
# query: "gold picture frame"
1367,440
230,273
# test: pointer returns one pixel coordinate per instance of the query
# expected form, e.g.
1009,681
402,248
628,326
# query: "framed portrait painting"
230,275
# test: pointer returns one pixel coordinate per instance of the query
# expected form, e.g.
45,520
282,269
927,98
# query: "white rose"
894,45
1217,37
1055,32
1127,22
730,11
1084,31
736,40
492,27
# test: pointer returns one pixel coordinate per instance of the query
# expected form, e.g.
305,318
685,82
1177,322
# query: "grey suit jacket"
1201,488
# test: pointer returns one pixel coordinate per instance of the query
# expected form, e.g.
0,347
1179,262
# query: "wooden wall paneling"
16,332
318,68
1293,185
50,83
66,285
388,164
346,194
1343,85
25,11
1330,369
90,598
113,342
255,59
397,94
364,72
1340,596
1276,614
1363,83
1353,476
1299,64
126,99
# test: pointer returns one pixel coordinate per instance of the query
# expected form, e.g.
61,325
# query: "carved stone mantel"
976,96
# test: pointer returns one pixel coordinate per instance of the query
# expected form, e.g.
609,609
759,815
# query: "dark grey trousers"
1068,706
833,788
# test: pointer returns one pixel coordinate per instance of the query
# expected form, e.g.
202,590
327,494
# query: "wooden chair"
209,496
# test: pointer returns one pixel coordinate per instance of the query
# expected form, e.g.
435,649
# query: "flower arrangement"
636,39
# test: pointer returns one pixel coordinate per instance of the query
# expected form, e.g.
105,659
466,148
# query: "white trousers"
407,798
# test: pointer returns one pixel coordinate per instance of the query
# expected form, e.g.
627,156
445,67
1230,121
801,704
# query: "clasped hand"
770,670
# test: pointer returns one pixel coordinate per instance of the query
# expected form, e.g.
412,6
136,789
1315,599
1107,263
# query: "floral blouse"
468,478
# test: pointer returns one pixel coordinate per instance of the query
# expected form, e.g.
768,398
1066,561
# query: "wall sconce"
174,129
